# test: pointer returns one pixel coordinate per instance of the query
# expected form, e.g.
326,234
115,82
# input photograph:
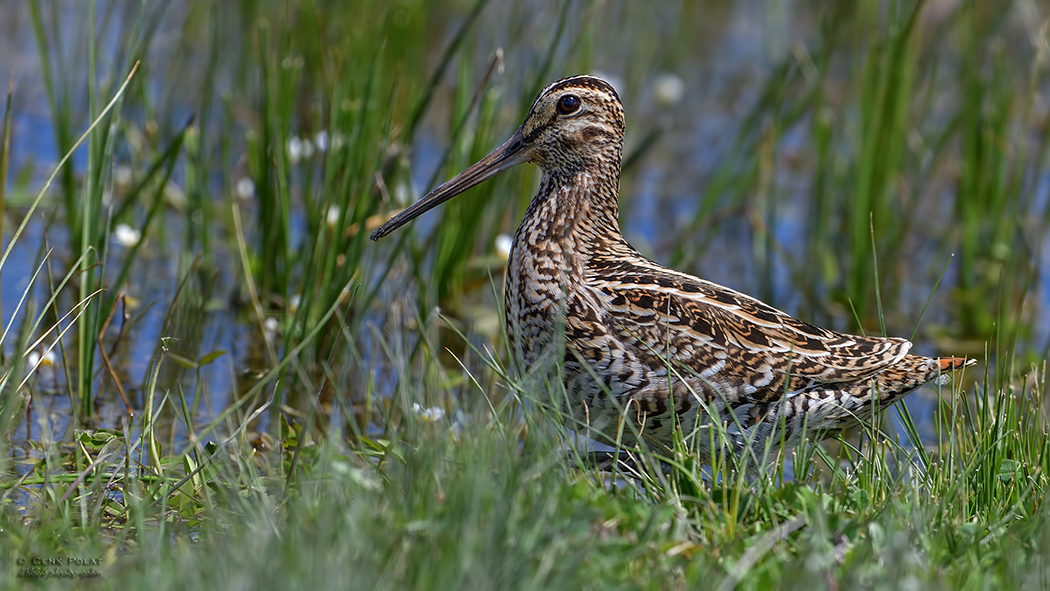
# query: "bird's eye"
568,104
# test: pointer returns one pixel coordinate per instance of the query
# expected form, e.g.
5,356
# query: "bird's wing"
729,337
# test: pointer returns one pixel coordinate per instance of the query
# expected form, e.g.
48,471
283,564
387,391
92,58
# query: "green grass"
922,137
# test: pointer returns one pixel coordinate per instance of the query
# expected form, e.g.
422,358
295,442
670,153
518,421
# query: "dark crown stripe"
582,81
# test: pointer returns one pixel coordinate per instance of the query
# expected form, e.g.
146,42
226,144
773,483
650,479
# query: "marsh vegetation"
210,377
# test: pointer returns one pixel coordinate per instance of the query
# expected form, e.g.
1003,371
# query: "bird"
642,349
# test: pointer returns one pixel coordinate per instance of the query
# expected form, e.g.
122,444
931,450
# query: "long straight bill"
510,154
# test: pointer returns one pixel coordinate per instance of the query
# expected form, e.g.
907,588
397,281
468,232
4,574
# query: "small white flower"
126,236
668,89
271,324
293,303
332,218
122,176
295,149
245,188
503,245
35,361
308,149
321,141
432,414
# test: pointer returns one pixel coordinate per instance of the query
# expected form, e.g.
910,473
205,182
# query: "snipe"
669,348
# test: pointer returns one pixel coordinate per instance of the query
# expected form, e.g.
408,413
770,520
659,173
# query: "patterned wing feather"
730,337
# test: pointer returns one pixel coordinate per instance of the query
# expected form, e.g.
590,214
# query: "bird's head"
574,123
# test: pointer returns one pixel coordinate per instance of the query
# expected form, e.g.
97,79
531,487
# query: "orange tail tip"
953,363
